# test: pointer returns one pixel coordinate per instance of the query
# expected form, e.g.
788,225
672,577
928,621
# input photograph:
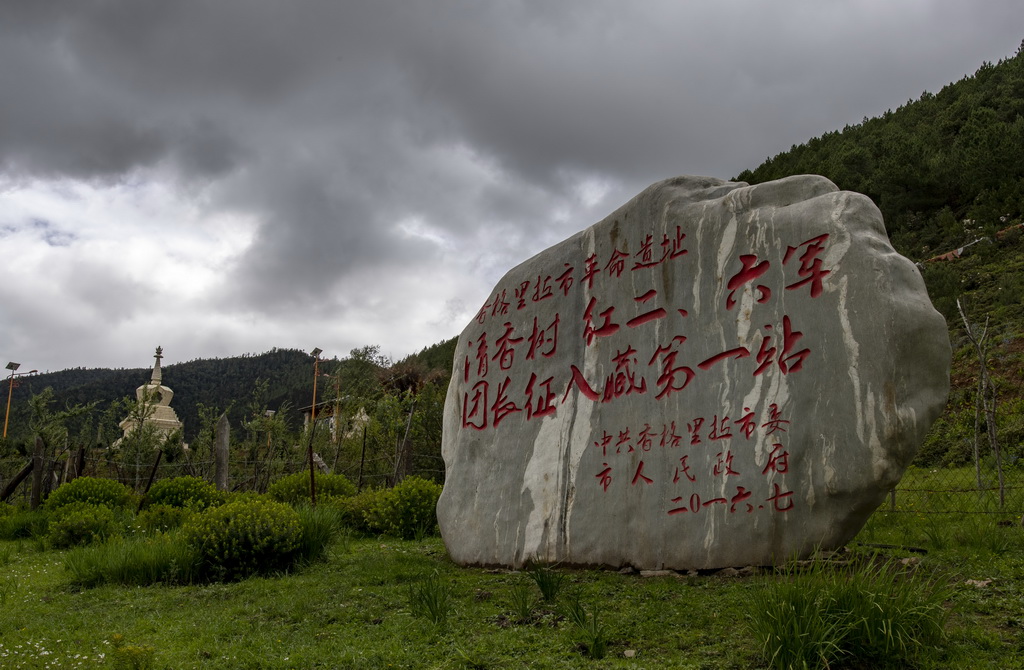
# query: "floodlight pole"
312,427
12,366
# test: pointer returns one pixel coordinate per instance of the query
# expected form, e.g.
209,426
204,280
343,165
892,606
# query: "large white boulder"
715,375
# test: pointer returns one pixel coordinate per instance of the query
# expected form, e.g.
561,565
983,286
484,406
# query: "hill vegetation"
280,378
946,172
944,169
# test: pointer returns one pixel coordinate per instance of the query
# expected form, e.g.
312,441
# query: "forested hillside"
943,169
947,171
281,378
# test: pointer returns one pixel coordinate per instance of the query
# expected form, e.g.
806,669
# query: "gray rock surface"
714,375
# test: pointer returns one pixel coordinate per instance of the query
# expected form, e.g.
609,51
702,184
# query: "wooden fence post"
220,452
37,473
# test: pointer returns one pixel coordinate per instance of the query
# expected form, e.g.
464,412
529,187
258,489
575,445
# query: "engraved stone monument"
715,375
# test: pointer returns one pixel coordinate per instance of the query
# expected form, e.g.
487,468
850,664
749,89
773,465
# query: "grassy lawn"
355,610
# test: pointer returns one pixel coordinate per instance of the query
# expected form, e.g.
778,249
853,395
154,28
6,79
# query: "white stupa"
162,417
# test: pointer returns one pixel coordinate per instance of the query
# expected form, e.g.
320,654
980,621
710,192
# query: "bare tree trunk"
362,461
985,402
221,442
403,450
152,476
38,473
990,420
18,479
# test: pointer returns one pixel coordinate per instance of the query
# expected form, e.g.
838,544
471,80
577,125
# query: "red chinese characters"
810,269
712,466
750,271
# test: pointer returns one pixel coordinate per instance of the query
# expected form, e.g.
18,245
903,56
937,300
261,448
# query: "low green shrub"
407,510
184,492
90,490
81,523
238,496
294,489
162,518
244,538
131,657
356,510
7,510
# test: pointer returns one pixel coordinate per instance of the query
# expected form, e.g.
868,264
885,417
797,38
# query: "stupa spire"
157,373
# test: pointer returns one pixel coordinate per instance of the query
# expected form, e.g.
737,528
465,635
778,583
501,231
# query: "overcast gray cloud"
227,177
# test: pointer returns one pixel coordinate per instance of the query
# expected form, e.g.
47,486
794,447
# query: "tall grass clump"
24,524
876,614
320,527
431,599
133,562
521,600
986,536
593,635
547,580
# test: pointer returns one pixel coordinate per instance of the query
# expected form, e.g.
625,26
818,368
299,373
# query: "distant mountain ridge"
222,383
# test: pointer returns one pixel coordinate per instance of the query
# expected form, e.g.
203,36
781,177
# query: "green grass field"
355,610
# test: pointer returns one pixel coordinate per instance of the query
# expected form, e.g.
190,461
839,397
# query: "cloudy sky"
225,177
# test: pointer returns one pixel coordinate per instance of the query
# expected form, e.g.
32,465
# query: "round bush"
92,491
162,518
407,510
243,538
81,523
184,492
294,489
355,510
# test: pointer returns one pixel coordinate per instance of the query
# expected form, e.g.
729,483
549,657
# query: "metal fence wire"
922,490
960,490
244,475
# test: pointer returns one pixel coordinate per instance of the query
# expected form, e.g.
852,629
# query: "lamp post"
12,366
269,414
312,427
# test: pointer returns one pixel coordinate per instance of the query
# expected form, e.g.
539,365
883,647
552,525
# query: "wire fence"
243,474
960,490
937,490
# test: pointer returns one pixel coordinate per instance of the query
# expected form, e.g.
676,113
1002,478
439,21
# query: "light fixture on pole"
269,414
312,426
12,366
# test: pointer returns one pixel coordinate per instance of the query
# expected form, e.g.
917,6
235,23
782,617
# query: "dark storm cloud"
51,234
406,138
